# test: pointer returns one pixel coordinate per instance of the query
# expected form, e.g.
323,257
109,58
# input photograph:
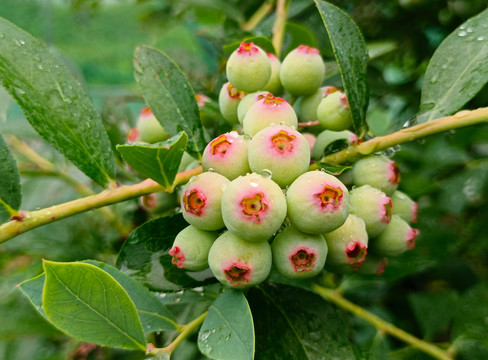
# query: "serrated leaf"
351,54
159,161
88,304
10,191
228,330
457,70
295,324
170,96
261,41
144,256
55,104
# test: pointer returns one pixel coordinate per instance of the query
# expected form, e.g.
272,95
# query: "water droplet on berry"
267,174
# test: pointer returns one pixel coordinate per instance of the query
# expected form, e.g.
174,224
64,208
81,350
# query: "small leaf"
55,104
158,161
10,193
228,330
351,54
170,96
335,170
32,289
457,70
145,257
88,304
261,41
296,34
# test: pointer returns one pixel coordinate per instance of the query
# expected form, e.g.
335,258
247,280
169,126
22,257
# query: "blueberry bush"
288,179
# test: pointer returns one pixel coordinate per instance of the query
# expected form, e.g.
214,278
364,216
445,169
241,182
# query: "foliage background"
438,292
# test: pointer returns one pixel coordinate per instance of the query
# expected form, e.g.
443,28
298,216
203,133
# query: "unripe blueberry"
267,111
311,138
249,100
274,84
309,104
327,137
333,112
186,160
227,154
149,129
282,150
397,238
373,264
248,68
347,244
373,206
191,247
317,202
159,202
201,200
253,207
378,171
207,110
404,206
238,263
229,99
297,255
302,71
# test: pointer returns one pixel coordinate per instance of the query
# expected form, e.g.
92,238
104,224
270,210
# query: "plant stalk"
258,16
335,297
279,26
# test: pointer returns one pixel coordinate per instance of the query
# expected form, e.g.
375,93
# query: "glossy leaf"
351,54
10,192
145,257
295,324
32,289
228,331
55,104
335,170
261,41
457,70
88,304
170,96
158,161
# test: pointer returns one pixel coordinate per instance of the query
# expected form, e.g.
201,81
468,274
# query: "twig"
258,16
279,26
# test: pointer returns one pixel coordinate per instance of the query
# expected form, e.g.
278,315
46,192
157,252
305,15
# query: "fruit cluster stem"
335,297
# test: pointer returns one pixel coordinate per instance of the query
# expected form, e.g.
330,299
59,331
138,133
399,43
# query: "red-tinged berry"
248,101
274,84
149,129
158,203
248,68
374,264
282,150
302,71
227,155
201,200
378,171
229,99
238,263
333,112
297,255
404,206
395,239
308,105
191,247
317,202
253,207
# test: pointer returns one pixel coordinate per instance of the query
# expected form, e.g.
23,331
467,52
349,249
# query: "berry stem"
184,332
382,325
258,16
458,120
279,26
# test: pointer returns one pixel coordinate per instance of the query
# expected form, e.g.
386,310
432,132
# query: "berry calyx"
229,99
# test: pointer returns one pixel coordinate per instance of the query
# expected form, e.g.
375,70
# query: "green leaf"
296,324
32,289
351,54
170,96
158,161
88,304
335,170
228,331
296,34
457,70
144,256
55,104
10,192
261,41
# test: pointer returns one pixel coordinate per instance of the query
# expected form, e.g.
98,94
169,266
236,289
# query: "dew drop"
469,29
247,137
2,36
462,33
480,38
265,173
444,66
434,78
211,170
40,67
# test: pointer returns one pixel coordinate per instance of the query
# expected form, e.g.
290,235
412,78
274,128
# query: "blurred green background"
438,292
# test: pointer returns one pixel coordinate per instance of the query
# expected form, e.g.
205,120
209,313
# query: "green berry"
191,247
404,206
282,150
373,265
253,207
238,263
149,128
268,111
327,137
397,238
229,99
201,200
317,202
249,100
274,84
347,244
333,112
302,71
248,68
309,104
227,154
297,255
373,206
378,171
159,202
